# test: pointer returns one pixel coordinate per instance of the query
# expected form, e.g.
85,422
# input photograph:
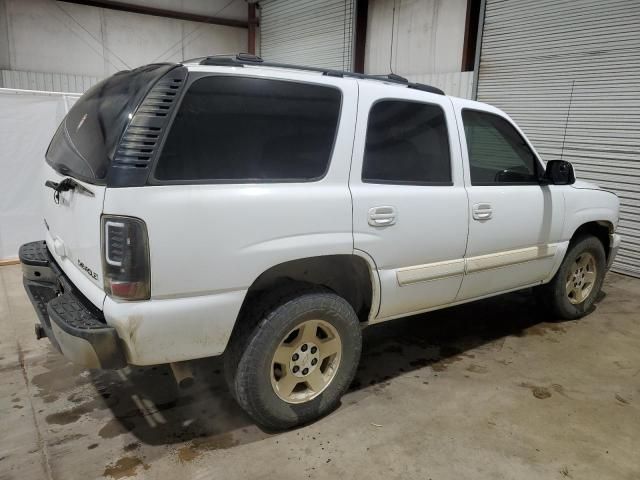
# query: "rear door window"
244,130
407,144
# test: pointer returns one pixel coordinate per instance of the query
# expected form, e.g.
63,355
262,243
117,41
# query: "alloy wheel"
306,361
581,278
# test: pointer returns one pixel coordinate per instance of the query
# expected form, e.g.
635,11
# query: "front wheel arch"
601,229
554,295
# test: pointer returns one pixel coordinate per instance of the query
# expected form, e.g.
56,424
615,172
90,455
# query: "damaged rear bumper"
73,325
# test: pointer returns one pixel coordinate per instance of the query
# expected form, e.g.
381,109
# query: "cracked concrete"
494,389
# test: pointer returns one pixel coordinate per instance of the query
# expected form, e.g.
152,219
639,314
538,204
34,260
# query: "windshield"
86,140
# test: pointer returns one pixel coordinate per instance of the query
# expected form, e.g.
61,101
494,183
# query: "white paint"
416,237
173,330
209,243
74,223
268,228
522,216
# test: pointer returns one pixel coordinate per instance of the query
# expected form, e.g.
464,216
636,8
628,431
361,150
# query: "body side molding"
430,271
450,268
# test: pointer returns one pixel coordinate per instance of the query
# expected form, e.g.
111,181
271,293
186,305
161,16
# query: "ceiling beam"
159,12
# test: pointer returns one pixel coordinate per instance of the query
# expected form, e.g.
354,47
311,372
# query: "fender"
375,283
584,205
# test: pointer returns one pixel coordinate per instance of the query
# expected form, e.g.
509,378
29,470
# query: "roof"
244,59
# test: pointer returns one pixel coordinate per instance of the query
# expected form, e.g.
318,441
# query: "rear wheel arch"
353,277
350,277
264,361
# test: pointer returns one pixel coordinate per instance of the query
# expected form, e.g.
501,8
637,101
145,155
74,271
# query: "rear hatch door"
72,220
80,155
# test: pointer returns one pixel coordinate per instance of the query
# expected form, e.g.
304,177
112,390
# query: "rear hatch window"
86,140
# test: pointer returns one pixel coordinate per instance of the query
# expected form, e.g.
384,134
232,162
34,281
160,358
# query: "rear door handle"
482,211
382,216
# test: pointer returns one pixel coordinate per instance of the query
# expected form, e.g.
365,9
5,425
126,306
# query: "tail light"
125,258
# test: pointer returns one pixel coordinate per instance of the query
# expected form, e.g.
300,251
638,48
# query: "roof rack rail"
247,59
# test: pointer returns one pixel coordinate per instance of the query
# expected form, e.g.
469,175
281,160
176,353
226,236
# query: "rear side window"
86,140
243,130
407,143
497,152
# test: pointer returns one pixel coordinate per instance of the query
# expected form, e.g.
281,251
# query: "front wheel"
575,287
298,360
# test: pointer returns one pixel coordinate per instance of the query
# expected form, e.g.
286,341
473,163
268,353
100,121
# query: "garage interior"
492,389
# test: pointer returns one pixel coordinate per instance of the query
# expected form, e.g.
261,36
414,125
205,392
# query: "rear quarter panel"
209,242
220,237
205,239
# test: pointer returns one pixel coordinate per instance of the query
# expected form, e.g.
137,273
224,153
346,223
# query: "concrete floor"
488,390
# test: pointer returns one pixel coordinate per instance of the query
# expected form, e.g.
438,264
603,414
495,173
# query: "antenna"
393,24
566,122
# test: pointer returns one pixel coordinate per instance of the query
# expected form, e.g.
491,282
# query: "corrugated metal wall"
552,63
317,33
48,82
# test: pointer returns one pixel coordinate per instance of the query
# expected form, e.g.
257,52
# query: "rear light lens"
125,258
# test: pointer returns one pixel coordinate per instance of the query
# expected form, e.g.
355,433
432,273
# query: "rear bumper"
73,325
614,246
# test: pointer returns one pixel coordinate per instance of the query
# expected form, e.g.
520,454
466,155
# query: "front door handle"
382,216
482,211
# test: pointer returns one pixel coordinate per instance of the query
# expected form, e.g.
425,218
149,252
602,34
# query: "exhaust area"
182,374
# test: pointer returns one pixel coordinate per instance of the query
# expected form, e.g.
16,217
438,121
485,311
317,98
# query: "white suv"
269,212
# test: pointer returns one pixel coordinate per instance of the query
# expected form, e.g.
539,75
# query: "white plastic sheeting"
28,120
455,84
49,82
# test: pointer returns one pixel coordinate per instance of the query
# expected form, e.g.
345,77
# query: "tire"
312,318
561,293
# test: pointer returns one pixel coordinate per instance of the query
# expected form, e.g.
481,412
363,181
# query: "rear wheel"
306,361
297,362
575,287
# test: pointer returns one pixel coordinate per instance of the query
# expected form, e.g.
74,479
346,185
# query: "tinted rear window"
407,143
250,130
87,138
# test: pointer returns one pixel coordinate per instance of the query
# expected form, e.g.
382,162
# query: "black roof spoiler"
246,59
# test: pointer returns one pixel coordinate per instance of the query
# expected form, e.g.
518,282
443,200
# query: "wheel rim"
306,361
581,278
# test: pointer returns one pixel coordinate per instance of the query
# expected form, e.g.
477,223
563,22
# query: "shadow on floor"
146,402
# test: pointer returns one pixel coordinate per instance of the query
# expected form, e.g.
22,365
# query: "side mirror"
559,172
